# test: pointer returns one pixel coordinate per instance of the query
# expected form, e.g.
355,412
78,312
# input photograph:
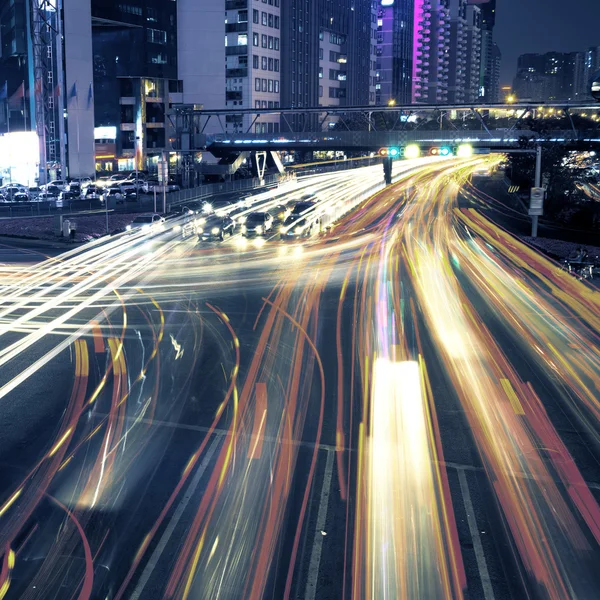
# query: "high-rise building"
487,93
253,62
550,77
591,65
457,63
473,54
132,87
431,56
323,34
494,76
395,35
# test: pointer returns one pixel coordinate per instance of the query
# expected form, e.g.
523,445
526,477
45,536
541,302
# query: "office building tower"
395,35
494,77
337,36
132,87
487,92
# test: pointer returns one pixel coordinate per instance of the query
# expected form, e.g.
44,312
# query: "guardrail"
212,189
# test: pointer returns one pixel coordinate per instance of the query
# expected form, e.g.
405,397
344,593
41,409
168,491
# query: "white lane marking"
486,582
315,555
137,593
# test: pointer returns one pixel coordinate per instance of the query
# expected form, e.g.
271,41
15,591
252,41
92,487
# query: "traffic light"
412,151
392,152
440,151
464,151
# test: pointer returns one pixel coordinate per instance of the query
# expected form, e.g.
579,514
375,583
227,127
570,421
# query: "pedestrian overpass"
227,133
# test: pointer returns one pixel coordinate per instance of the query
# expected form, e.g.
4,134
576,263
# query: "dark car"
295,227
21,196
303,207
279,213
257,224
215,228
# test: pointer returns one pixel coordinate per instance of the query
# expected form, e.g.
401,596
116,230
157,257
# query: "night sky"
542,25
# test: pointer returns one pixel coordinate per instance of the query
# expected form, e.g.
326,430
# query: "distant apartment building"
550,77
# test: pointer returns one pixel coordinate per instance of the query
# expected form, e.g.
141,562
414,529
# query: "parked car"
20,196
118,177
113,193
74,187
65,196
46,196
151,223
53,190
61,184
151,185
92,192
10,192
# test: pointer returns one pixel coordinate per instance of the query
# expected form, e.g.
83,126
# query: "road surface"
404,406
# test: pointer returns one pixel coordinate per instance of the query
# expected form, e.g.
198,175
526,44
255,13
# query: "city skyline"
537,30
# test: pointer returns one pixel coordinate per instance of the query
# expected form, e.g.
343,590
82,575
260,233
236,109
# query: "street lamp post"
137,183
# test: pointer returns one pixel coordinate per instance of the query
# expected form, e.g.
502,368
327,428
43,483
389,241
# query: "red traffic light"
383,152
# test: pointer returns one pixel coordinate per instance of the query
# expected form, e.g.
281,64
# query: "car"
303,207
180,211
257,224
74,187
151,185
92,192
61,184
10,192
135,183
20,196
118,177
219,207
173,187
215,228
279,213
130,196
46,196
53,190
64,196
296,227
113,193
151,223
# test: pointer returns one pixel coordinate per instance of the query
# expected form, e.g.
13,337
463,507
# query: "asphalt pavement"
403,407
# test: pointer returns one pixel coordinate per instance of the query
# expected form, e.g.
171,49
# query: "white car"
61,184
150,223
114,194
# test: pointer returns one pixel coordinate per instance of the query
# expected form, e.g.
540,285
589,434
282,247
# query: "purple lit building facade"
428,52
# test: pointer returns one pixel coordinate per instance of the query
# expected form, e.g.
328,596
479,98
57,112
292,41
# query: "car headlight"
207,208
200,230
282,229
259,229
241,220
201,221
298,230
215,230
177,228
243,229
128,228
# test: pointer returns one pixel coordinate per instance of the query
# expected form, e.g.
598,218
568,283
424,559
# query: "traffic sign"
536,202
